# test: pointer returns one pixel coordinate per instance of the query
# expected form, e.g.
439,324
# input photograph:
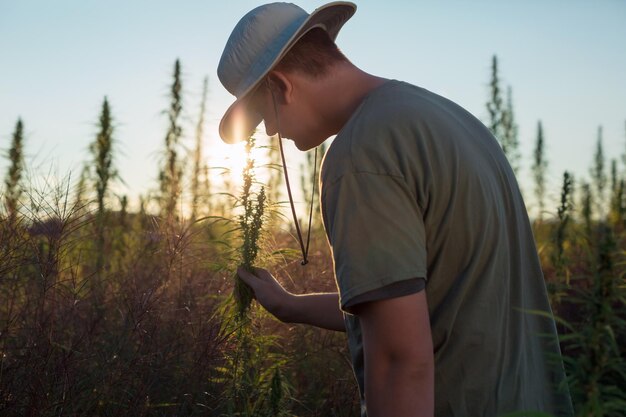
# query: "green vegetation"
502,117
585,275
102,152
106,310
170,176
196,190
13,191
539,168
250,223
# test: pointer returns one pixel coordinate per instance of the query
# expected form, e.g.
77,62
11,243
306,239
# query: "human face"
285,111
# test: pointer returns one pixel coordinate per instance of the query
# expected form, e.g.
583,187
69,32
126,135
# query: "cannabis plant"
251,224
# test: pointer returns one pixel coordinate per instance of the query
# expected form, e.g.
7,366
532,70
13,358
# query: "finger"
247,277
263,274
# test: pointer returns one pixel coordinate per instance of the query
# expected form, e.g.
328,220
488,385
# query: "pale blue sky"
565,60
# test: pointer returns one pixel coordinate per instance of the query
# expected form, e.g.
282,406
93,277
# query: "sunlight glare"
229,160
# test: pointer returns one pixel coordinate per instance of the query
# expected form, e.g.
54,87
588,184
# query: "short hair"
314,54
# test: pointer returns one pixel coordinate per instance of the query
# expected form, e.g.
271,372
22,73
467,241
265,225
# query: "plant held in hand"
251,224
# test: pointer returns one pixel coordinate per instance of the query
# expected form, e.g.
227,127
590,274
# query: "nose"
270,119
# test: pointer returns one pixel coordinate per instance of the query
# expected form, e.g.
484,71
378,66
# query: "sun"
226,162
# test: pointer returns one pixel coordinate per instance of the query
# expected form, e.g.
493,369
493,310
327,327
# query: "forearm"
320,310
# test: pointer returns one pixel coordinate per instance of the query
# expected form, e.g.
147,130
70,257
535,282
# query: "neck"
340,93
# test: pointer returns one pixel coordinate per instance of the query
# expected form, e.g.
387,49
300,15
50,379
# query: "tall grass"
161,341
152,330
586,275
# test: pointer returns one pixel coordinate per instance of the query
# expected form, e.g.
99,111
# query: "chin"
303,146
306,144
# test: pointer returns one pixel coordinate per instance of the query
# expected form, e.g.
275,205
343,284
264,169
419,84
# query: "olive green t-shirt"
414,186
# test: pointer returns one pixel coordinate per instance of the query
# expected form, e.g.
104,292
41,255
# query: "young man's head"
272,61
287,98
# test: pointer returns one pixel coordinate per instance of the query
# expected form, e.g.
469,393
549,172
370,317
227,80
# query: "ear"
281,84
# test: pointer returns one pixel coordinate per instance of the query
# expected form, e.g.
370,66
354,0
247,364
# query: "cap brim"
239,122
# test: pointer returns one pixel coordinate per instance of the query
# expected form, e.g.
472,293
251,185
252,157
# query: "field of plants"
107,311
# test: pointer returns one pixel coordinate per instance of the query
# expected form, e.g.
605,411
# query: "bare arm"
399,362
320,310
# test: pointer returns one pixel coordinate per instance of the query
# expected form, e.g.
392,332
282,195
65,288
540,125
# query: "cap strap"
305,250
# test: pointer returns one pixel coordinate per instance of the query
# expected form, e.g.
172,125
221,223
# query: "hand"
268,292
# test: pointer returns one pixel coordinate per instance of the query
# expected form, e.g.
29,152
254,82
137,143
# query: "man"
435,262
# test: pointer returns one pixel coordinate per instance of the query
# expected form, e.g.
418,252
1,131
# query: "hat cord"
305,250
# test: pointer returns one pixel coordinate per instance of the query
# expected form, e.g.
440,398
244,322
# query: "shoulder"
385,133
393,104
388,116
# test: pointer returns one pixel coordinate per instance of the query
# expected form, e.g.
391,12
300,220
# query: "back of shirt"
415,186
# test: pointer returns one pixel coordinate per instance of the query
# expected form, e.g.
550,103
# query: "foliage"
170,176
563,215
598,174
502,118
539,168
588,274
102,152
495,105
157,335
250,224
162,341
509,139
13,190
197,156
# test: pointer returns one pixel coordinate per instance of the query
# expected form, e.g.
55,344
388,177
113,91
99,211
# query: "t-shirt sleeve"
397,289
376,231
